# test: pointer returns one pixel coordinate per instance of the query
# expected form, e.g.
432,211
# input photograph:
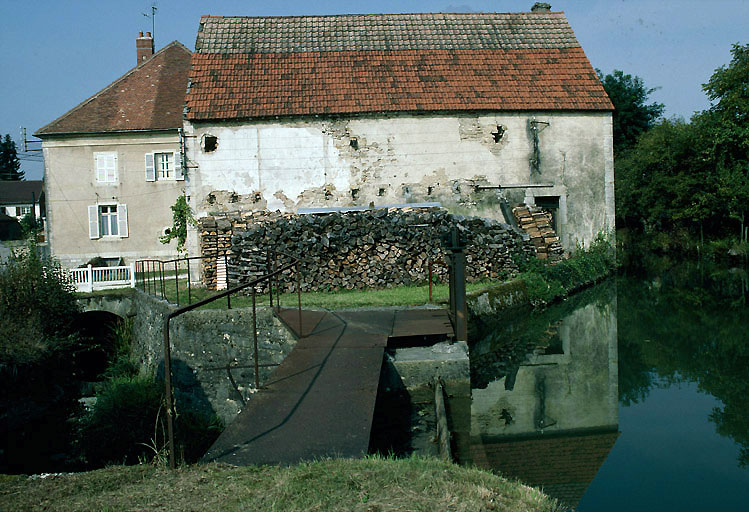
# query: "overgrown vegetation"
127,422
692,176
546,282
181,218
373,484
37,307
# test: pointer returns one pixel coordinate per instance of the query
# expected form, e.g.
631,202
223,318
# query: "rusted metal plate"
421,322
318,403
310,320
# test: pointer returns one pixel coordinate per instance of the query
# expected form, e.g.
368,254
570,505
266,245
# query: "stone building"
466,110
112,164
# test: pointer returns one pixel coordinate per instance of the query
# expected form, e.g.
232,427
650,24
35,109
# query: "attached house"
477,112
113,164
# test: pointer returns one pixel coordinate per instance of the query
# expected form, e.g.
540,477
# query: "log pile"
378,248
538,223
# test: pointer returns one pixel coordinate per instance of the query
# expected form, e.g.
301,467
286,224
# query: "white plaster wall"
71,186
581,385
294,163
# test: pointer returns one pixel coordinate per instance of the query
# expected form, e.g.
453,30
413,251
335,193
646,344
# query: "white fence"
103,278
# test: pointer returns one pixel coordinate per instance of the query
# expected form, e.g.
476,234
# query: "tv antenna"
153,21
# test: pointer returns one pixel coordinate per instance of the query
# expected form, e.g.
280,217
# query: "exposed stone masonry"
377,248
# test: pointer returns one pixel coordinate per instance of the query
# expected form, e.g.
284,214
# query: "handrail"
226,293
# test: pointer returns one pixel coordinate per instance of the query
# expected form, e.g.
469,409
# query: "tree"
10,165
726,126
632,116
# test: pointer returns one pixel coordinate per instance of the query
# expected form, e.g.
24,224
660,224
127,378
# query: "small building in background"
17,200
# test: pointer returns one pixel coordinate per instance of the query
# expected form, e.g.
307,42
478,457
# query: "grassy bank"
372,484
414,295
544,283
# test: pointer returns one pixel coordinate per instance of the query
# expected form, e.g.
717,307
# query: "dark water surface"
633,395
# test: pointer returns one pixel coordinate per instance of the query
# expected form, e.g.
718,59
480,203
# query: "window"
163,166
106,167
107,220
24,210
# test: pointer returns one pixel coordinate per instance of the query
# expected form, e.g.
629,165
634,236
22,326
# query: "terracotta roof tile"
261,67
563,465
148,97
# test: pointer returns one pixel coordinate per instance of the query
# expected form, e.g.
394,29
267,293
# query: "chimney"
144,47
541,7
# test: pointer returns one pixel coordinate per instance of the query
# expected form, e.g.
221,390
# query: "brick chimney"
144,47
541,7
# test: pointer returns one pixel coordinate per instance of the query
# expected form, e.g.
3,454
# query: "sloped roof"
562,464
148,97
257,67
19,192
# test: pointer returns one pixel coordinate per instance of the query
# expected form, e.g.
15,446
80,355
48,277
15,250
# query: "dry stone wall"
377,248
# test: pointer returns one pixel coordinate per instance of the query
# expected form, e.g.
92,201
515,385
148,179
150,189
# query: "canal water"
632,395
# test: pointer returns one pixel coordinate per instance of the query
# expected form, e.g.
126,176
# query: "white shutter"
101,170
93,221
112,170
122,220
150,168
178,174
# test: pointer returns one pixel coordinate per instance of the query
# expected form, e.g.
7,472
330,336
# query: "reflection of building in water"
554,421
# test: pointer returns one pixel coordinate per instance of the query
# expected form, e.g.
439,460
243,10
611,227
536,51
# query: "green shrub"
549,281
127,425
123,423
37,307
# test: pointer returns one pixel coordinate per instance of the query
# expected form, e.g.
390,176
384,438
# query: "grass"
414,295
373,484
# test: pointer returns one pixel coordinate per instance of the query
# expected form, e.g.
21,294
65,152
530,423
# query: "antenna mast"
153,21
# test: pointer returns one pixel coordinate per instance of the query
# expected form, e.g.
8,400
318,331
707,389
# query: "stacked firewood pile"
538,223
377,248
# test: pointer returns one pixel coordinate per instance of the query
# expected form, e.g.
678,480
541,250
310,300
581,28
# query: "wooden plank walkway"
320,401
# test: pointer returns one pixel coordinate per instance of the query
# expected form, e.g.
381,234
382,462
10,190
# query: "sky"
56,53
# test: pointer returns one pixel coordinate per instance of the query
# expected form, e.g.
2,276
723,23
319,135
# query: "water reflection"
662,356
545,395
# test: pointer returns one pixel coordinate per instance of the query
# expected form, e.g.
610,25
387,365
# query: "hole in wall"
497,135
354,193
209,143
406,190
211,199
381,192
234,197
430,190
354,143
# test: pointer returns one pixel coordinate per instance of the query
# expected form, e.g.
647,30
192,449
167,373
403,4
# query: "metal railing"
271,278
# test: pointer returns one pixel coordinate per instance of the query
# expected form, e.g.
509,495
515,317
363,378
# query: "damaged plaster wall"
288,164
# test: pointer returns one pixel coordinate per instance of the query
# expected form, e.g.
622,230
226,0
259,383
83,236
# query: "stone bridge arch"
98,323
120,305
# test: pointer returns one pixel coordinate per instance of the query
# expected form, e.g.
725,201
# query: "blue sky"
56,53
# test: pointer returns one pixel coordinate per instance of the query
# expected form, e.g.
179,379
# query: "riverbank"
371,484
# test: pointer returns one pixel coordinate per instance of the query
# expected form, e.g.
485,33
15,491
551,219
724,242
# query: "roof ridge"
173,44
484,13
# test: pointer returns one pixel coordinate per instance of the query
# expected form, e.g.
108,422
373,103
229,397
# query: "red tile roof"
563,465
260,67
148,97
